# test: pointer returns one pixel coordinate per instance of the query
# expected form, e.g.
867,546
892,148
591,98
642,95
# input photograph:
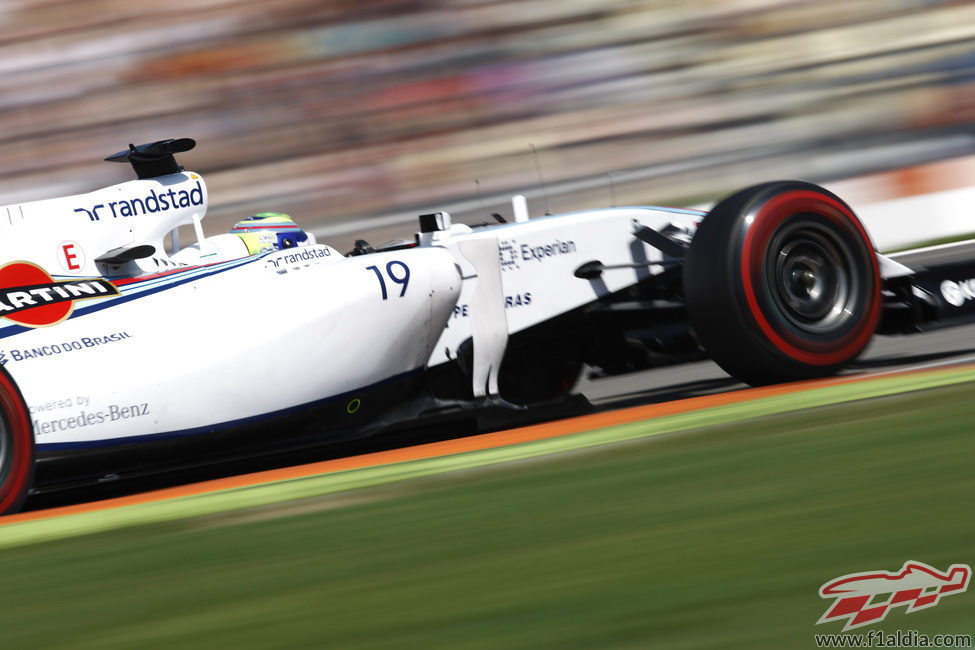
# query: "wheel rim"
818,225
811,277
763,293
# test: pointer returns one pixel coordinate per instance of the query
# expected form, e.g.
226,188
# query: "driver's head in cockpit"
269,231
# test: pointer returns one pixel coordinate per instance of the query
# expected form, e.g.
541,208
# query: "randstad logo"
150,204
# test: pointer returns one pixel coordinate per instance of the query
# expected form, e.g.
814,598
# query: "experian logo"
957,293
152,203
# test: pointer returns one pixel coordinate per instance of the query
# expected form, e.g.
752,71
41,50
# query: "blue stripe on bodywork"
654,208
223,426
148,288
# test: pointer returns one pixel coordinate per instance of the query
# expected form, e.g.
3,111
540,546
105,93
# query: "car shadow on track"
423,435
92,483
899,359
114,486
681,391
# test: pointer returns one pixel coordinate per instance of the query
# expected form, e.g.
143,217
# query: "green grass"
716,538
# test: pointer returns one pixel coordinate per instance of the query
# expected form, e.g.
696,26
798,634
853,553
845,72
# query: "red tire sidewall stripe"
759,232
21,456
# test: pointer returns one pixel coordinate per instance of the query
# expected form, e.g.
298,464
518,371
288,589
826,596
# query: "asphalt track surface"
931,349
886,354
939,348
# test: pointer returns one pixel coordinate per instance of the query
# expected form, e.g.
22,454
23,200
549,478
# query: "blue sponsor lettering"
508,254
541,253
24,354
296,259
510,302
90,342
150,204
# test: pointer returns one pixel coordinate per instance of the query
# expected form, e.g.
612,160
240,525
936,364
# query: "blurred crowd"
350,109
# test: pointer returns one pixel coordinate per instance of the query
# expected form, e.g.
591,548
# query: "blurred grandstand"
341,111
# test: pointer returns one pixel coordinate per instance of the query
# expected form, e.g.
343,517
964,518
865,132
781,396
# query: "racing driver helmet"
269,231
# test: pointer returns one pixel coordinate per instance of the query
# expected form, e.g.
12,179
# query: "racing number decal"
401,278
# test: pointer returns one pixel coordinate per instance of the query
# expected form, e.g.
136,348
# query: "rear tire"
16,446
781,283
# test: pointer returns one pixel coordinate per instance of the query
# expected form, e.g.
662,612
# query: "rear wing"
154,159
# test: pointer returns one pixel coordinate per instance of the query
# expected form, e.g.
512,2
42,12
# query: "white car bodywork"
535,271
112,339
202,339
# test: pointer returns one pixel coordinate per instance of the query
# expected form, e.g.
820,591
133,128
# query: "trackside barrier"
914,205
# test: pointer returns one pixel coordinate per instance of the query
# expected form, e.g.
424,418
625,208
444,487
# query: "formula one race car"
117,346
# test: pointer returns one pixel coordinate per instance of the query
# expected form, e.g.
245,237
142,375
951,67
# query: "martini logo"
30,296
865,598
